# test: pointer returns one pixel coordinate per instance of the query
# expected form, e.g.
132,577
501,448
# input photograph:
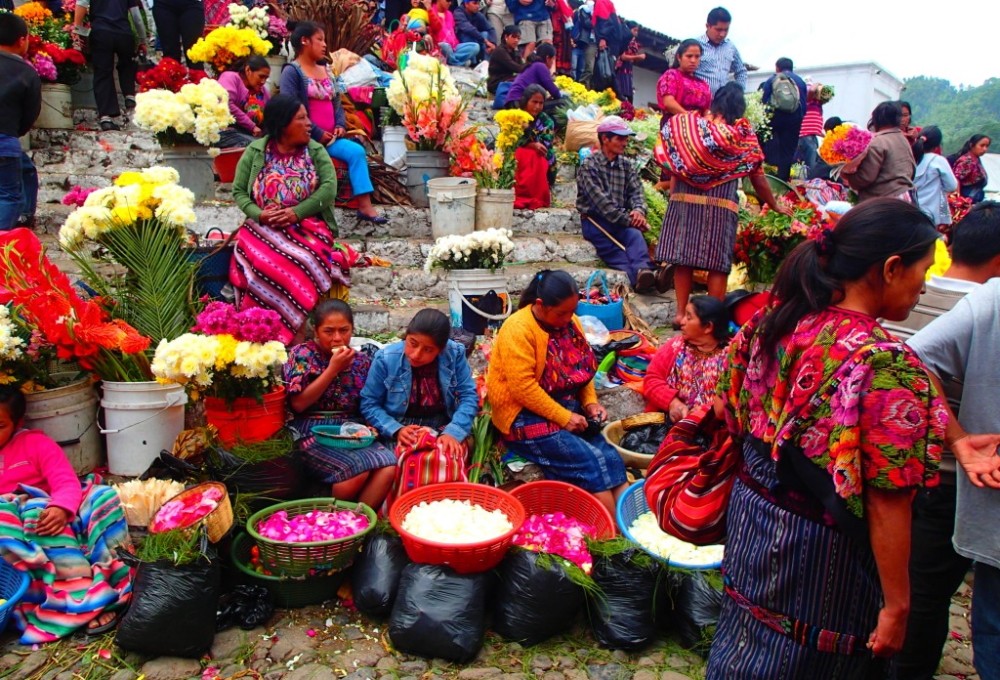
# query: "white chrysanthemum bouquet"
479,250
196,114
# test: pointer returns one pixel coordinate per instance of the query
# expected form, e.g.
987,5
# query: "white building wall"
859,88
645,87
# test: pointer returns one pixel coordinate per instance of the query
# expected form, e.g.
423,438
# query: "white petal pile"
455,522
646,530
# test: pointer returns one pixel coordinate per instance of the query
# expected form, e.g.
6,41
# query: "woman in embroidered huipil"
839,424
540,386
969,170
684,373
323,381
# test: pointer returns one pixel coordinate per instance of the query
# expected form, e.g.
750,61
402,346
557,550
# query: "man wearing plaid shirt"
612,206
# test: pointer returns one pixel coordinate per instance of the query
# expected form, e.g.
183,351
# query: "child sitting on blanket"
61,533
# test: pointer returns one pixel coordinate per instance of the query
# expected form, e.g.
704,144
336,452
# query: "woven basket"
613,433
297,559
641,419
288,593
544,497
465,558
219,521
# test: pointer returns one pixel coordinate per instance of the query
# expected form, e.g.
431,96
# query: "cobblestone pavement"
330,642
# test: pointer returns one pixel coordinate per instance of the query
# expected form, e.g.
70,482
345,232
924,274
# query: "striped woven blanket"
74,575
706,154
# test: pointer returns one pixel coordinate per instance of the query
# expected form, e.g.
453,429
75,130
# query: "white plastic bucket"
140,420
453,206
277,63
468,282
57,107
69,416
394,146
421,167
195,166
494,209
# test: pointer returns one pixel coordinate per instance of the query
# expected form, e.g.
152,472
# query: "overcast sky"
955,40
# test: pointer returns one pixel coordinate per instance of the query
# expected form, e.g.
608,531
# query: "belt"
712,201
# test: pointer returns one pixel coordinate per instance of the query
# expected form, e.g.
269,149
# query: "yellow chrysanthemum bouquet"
579,95
226,44
196,114
129,242
229,355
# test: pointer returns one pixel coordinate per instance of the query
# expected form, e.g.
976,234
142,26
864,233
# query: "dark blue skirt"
337,465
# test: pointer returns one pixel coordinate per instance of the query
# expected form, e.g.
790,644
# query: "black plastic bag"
604,71
697,604
438,613
534,602
376,572
623,617
169,466
645,438
245,606
173,610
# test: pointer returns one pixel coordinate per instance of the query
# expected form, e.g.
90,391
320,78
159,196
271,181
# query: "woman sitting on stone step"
286,258
541,390
246,84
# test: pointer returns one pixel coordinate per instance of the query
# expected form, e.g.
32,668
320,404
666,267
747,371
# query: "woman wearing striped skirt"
840,425
707,156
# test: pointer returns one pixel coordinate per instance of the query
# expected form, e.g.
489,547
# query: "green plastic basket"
288,593
297,559
329,435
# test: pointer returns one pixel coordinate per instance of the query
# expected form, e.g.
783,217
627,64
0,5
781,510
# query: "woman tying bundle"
62,535
707,156
323,381
685,370
540,386
420,394
536,157
285,257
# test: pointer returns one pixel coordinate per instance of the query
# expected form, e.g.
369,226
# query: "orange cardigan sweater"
516,365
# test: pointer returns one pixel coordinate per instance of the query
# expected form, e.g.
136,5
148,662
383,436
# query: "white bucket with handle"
140,420
453,205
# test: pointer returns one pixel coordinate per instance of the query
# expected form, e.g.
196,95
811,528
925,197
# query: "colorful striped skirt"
699,228
334,465
802,597
287,270
75,575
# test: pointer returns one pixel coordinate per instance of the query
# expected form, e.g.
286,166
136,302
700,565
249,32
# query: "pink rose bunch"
186,510
313,526
557,534
276,27
854,142
77,195
253,324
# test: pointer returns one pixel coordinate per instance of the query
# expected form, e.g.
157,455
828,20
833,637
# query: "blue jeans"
631,258
986,621
18,189
461,55
353,154
501,97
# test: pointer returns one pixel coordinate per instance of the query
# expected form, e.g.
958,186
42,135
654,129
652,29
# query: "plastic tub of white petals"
639,524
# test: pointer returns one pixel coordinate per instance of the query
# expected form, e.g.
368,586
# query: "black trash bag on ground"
173,609
169,466
697,604
534,602
623,617
645,438
376,572
245,606
438,613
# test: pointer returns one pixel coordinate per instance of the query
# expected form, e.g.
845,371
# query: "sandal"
374,219
105,627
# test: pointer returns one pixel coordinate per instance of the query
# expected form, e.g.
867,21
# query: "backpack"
784,94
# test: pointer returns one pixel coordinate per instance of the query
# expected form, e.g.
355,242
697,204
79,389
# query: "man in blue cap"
612,206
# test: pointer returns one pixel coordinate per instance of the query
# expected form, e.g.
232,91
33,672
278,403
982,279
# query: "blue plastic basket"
611,314
13,585
631,505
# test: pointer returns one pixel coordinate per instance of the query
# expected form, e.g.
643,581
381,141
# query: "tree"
960,113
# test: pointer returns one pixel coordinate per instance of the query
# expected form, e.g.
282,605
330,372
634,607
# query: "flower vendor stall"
764,239
270,28
51,53
225,44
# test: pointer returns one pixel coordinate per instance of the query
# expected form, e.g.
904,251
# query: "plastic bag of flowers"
438,613
623,617
376,573
175,596
543,581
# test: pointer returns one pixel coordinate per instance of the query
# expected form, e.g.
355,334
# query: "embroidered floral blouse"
969,170
286,179
691,92
306,363
569,364
541,130
882,428
679,370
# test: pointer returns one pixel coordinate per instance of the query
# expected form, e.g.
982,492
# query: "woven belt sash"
713,201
